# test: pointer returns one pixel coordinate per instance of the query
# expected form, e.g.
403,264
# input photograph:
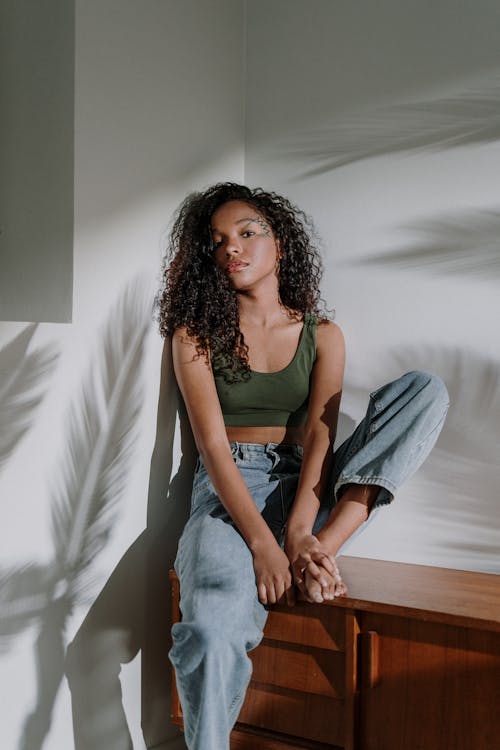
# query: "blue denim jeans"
222,618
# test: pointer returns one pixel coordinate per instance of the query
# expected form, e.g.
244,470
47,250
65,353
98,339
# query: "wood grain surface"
423,592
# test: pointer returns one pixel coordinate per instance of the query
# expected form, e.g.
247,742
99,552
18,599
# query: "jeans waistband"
269,449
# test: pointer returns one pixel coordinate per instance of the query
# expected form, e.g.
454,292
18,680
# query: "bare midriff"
264,435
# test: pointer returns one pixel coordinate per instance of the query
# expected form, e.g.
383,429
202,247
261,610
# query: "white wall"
381,120
158,112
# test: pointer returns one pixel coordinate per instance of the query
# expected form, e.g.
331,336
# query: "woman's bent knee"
431,386
193,642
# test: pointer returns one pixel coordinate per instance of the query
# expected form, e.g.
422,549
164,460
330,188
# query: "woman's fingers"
278,590
316,572
287,595
298,573
272,597
324,587
290,595
326,560
262,592
317,586
313,588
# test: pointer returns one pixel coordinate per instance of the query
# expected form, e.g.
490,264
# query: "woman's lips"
236,266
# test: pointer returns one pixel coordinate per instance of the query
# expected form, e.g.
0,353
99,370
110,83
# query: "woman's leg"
402,423
222,619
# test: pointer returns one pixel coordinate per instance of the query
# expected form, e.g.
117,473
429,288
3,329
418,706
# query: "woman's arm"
303,549
197,385
321,425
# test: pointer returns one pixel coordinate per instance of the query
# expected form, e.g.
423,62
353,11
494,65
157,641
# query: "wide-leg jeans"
222,618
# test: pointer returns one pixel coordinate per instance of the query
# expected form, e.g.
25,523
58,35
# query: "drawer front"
291,712
247,738
321,626
303,668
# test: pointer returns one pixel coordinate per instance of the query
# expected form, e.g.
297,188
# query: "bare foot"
334,586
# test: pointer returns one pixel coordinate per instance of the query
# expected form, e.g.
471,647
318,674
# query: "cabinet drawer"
313,717
303,668
316,625
247,738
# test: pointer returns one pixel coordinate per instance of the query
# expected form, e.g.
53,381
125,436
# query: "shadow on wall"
467,243
88,485
470,117
22,388
132,612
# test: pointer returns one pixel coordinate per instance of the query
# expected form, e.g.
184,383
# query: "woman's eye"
217,244
248,233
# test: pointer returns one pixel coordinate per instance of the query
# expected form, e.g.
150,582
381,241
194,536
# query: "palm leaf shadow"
101,434
438,124
23,597
463,471
468,243
21,387
132,612
93,472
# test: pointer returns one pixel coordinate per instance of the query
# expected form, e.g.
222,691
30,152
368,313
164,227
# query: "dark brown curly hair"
196,294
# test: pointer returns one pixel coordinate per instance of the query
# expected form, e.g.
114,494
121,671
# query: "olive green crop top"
269,399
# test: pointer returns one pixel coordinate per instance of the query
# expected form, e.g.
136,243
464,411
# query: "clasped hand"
305,562
314,568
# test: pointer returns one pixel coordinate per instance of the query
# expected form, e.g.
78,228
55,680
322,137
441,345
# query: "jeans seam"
236,698
356,479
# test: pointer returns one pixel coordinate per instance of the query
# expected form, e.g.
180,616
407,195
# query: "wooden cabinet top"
457,597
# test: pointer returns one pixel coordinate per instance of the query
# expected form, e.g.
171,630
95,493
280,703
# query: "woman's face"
244,245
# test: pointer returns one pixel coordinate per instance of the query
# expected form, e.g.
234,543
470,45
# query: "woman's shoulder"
186,346
326,327
181,339
181,335
328,335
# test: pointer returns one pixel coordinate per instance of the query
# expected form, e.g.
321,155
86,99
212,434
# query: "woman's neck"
263,310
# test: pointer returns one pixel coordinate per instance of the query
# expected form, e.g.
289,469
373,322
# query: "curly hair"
196,294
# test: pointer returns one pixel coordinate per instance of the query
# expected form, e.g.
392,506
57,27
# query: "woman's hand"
319,593
314,568
272,574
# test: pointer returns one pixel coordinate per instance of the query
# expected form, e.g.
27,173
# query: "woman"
260,369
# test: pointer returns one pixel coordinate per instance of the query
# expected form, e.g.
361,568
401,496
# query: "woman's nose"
232,248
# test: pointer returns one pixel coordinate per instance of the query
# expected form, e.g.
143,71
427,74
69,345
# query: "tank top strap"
309,336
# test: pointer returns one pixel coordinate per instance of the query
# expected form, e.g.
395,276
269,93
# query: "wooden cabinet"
436,687
409,661
299,680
